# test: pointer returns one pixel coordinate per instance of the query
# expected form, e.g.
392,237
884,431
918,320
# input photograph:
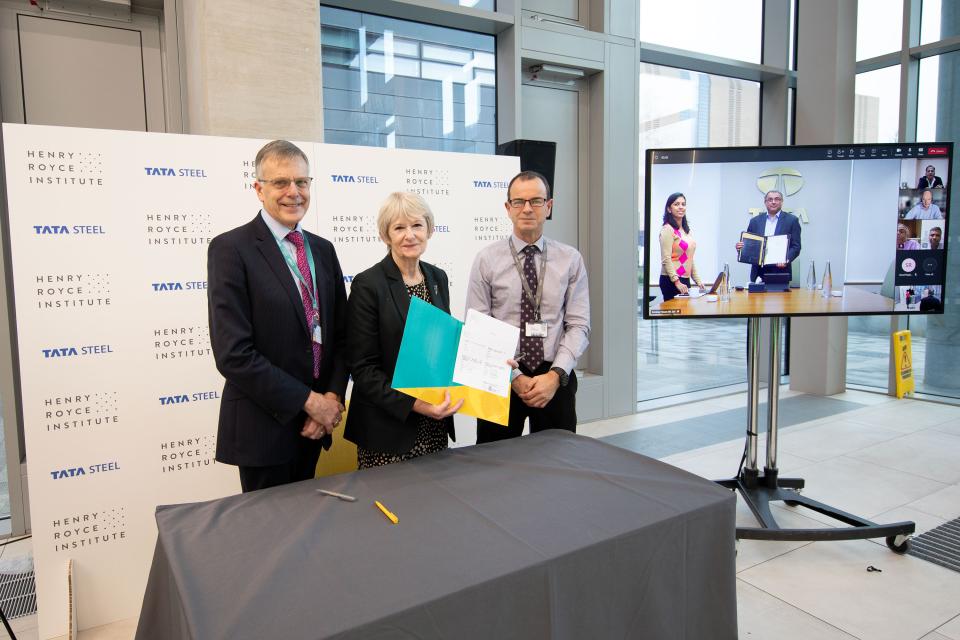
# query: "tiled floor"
887,461
883,459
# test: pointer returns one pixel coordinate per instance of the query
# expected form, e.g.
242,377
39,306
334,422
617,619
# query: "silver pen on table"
342,496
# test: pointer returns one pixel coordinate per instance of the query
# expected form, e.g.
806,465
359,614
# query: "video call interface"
872,217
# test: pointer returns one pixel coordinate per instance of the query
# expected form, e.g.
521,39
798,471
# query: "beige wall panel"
253,68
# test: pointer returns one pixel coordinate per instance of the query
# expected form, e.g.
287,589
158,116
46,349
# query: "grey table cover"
548,536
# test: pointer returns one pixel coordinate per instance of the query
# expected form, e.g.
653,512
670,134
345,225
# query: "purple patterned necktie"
297,240
531,347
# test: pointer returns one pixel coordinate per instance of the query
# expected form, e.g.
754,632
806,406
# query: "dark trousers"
560,412
303,467
669,289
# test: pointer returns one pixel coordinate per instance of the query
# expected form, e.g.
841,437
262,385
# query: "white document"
692,292
485,345
776,249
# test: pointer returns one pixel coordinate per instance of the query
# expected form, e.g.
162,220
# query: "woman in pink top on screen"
676,249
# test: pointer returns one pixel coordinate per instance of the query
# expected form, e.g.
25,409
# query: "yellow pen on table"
386,512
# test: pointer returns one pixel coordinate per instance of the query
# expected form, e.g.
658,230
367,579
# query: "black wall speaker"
535,155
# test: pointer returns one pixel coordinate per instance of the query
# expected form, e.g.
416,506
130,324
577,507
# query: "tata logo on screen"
783,179
67,352
64,230
76,472
340,178
173,172
186,398
490,184
788,182
189,285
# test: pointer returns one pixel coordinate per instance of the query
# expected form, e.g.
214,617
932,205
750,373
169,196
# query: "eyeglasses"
284,183
536,203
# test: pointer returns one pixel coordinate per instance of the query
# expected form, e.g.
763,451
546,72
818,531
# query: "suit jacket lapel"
398,290
267,245
433,288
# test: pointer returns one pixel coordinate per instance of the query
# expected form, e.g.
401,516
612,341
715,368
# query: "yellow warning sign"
903,359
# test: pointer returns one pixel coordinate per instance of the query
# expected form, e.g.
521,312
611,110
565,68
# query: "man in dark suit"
775,223
930,180
277,309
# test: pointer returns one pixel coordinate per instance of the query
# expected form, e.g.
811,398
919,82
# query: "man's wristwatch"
564,378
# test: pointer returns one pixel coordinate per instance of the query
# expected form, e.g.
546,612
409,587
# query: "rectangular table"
548,536
777,303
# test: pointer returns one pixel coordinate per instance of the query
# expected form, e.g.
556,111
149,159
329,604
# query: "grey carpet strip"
693,433
18,594
940,546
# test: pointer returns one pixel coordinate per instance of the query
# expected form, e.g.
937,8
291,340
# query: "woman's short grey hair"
402,204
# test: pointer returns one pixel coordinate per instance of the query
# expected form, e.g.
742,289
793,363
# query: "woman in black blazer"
388,426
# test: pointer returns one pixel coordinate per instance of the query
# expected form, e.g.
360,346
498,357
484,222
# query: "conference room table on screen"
552,535
778,303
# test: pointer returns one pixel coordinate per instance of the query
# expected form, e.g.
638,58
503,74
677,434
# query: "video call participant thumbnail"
925,209
928,180
905,242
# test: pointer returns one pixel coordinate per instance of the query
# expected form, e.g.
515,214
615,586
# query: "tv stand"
759,490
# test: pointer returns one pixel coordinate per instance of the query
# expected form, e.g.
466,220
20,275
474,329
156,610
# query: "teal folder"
428,350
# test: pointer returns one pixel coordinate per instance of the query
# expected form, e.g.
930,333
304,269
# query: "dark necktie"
297,240
531,347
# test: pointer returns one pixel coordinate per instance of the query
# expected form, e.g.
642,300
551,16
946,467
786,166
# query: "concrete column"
776,52
251,68
826,73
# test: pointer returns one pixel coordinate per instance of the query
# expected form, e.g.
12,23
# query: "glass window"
487,5
877,105
936,350
680,108
717,30
927,98
400,84
939,20
879,28
876,119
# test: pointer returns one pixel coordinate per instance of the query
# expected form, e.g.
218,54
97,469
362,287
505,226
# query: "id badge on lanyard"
317,333
536,330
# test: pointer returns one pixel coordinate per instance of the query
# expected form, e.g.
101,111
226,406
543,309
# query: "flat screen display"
803,230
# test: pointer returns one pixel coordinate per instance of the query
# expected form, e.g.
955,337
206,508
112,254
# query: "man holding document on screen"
782,232
540,285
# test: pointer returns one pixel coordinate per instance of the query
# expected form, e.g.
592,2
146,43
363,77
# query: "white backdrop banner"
108,233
